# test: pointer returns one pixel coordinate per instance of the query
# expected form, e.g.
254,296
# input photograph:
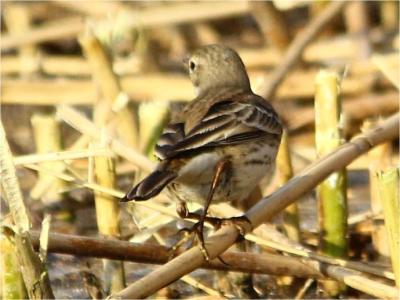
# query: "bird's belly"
249,163
255,162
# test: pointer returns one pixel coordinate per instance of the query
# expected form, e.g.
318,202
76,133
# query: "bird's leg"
241,222
198,228
184,213
220,168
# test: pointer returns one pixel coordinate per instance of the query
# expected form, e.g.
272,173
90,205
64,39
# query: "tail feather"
151,186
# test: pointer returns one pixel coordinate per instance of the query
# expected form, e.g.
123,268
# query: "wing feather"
225,123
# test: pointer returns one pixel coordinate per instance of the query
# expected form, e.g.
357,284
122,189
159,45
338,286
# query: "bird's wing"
225,123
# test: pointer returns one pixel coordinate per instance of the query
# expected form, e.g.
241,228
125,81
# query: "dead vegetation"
86,89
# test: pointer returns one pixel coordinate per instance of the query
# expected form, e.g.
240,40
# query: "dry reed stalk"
48,92
41,187
296,48
272,23
266,235
314,9
264,210
47,135
396,42
63,155
44,238
291,222
156,16
129,19
357,22
336,268
331,193
362,283
342,270
102,189
388,182
85,126
269,237
107,207
50,31
101,65
297,86
198,285
354,109
100,9
107,216
379,159
306,154
18,20
190,279
51,65
389,13
389,65
300,294
33,271
206,34
342,48
63,65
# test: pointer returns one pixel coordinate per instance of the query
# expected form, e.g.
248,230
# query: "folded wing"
225,123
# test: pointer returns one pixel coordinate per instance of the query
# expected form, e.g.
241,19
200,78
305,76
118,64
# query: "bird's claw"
242,224
197,231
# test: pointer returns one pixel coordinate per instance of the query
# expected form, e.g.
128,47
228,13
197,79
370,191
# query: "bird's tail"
151,186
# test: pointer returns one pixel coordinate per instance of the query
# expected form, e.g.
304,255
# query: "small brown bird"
220,146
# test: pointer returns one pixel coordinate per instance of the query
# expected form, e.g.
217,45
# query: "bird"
220,145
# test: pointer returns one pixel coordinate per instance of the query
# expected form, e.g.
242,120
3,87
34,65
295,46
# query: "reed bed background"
86,88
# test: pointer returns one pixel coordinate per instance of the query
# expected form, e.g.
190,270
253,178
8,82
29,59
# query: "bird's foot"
193,233
242,223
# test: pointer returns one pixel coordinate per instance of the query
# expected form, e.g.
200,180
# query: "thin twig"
62,155
85,126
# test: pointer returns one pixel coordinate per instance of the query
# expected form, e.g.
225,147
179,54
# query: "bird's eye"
192,66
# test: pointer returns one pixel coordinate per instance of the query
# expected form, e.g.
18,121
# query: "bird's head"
215,67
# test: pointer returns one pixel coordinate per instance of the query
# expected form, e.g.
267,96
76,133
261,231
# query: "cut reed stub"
331,193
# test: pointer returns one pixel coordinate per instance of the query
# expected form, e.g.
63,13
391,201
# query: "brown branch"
269,207
295,50
155,254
